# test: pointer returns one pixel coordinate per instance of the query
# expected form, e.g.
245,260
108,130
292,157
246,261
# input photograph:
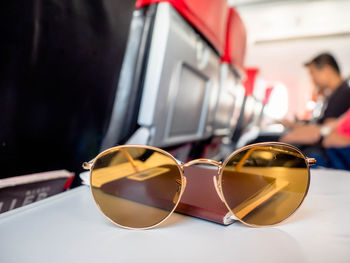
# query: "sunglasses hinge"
87,165
311,161
218,189
182,166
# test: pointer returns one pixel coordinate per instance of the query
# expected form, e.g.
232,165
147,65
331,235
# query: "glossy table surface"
69,228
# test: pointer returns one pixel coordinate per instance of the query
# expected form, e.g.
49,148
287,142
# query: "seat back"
207,17
235,42
180,74
231,93
181,82
60,60
250,108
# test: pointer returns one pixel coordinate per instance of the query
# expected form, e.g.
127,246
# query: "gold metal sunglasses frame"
217,181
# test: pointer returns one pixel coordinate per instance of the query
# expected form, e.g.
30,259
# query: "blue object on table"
339,158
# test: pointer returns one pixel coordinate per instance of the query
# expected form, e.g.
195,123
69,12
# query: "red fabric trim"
208,17
249,82
235,44
227,56
343,126
68,182
268,92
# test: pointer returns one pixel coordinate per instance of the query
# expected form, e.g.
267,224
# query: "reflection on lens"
136,187
264,184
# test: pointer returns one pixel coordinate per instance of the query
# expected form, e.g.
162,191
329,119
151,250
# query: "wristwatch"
325,131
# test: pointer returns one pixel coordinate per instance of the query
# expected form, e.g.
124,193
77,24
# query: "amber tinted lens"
136,187
266,183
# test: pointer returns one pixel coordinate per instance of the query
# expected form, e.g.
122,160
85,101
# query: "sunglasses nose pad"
218,188
180,189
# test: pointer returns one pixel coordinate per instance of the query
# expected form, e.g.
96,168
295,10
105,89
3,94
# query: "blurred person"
337,144
313,133
333,98
326,76
340,136
334,137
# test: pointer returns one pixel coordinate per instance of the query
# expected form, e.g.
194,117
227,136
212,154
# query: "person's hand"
331,122
303,134
335,139
286,123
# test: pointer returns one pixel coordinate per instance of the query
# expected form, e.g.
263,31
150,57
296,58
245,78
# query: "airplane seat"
260,129
265,101
231,93
178,81
249,105
60,60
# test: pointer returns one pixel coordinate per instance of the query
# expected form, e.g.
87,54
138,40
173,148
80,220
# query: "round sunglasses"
139,187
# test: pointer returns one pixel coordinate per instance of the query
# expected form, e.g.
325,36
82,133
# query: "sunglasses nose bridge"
203,161
217,184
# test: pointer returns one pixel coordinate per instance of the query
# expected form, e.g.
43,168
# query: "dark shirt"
338,102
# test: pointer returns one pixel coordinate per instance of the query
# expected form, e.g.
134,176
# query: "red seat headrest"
236,39
207,16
